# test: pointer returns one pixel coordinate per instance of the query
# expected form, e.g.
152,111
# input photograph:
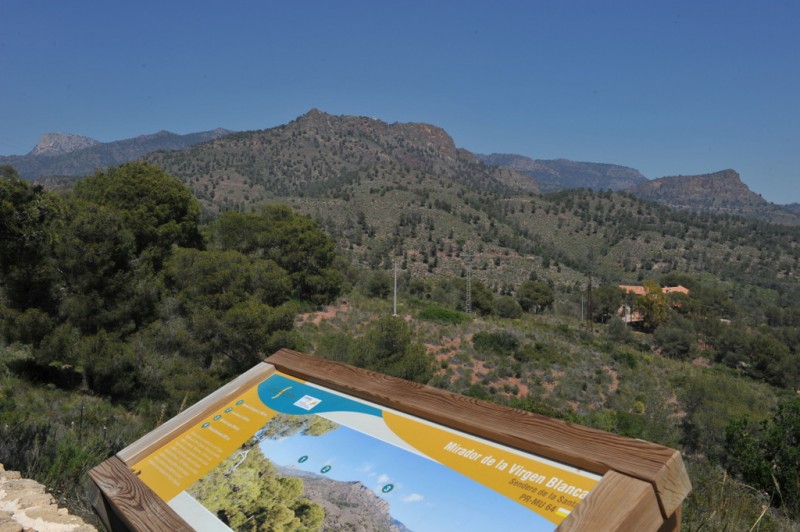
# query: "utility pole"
589,304
394,302
468,305
583,313
589,309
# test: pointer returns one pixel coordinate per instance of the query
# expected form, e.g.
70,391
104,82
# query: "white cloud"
367,469
383,479
414,497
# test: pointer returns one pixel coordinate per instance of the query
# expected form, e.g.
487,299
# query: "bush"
769,457
676,339
711,399
389,347
442,315
617,330
719,502
535,296
626,359
379,284
501,342
507,307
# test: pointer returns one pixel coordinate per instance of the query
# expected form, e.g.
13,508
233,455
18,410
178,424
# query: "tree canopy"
30,219
293,242
246,492
653,305
113,282
157,208
535,296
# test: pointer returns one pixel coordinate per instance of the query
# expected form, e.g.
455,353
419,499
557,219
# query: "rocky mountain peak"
718,192
424,136
725,184
61,143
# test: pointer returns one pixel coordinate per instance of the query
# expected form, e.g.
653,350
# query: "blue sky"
679,87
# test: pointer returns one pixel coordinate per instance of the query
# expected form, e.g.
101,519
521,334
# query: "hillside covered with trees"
133,295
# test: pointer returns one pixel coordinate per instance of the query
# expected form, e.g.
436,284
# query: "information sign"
302,442
428,476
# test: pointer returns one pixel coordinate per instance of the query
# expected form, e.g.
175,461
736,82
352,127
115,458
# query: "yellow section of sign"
543,487
180,463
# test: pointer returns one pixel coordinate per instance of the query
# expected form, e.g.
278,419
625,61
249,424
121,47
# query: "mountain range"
62,154
560,174
324,151
405,194
720,192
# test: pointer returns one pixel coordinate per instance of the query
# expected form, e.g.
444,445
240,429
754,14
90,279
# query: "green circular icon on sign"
325,469
228,409
205,425
217,417
240,401
387,488
302,458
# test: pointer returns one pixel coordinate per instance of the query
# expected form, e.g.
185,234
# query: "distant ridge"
320,154
793,208
63,154
720,192
559,174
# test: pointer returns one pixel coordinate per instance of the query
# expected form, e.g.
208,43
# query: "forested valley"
126,298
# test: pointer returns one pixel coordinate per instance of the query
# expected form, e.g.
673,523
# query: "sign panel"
287,450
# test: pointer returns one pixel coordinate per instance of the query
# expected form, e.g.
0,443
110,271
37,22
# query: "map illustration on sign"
291,453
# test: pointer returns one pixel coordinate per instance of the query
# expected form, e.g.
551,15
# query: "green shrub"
617,331
507,307
500,342
625,358
442,315
768,456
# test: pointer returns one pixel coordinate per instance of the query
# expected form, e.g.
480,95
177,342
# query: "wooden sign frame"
642,488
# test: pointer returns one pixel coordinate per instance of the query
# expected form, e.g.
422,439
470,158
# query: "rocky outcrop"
25,506
61,143
720,192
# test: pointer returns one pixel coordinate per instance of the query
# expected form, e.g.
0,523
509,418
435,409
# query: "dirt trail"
328,314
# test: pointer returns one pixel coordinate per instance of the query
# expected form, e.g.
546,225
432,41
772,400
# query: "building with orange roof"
631,315
633,289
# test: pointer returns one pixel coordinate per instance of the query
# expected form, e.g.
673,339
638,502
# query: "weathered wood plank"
617,503
134,506
178,425
580,446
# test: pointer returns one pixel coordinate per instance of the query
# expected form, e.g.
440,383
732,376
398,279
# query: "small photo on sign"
307,402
